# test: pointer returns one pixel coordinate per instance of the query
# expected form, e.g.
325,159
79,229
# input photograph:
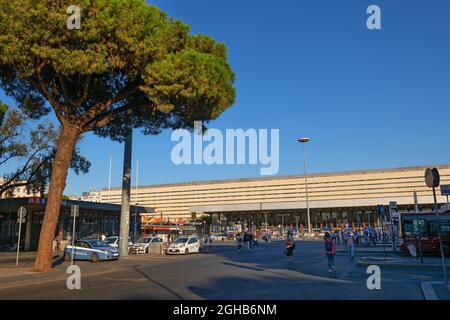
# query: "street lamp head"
304,140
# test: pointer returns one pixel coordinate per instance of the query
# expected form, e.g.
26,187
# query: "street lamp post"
304,141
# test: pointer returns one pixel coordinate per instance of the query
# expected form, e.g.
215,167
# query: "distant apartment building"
91,196
19,192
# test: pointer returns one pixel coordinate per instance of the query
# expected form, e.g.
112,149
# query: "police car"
91,249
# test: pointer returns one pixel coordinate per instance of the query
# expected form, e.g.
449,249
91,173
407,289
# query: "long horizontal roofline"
268,178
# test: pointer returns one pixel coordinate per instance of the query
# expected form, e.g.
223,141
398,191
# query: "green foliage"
129,64
3,109
27,151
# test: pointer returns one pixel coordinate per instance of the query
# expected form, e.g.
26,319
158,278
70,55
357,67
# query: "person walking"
330,251
366,236
289,246
351,245
239,242
246,241
208,243
356,237
373,236
344,238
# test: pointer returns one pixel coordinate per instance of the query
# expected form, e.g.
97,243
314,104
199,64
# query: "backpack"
328,246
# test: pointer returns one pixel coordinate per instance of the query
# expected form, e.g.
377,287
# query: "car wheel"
67,257
94,258
186,251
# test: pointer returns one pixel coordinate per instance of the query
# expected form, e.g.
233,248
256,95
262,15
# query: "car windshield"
111,240
147,240
98,243
181,240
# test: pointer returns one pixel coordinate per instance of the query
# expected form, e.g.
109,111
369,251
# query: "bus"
425,225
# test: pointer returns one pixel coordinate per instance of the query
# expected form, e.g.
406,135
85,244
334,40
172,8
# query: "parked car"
92,249
184,245
143,245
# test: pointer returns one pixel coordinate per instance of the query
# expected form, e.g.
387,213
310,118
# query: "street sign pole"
432,180
74,213
416,208
21,214
380,209
394,218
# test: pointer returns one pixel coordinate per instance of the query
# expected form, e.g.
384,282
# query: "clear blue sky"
368,99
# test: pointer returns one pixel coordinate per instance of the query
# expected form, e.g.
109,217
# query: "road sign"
21,212
432,178
445,190
74,210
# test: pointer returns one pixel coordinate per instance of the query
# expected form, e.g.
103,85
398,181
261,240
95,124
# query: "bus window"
433,228
415,227
445,228
420,227
408,228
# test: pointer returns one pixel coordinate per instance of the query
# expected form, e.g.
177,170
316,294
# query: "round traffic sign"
432,178
21,212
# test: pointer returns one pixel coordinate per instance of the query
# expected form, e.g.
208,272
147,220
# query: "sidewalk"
435,291
403,261
378,249
23,275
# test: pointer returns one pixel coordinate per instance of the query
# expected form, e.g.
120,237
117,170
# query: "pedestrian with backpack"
351,245
330,251
345,237
289,246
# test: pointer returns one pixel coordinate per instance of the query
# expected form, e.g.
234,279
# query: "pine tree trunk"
66,143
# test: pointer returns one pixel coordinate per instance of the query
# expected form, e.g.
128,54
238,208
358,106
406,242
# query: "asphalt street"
263,273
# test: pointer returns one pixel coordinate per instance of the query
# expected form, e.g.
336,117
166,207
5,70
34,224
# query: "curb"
428,291
400,265
373,252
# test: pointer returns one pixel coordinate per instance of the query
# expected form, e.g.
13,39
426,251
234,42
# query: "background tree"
129,66
3,109
27,151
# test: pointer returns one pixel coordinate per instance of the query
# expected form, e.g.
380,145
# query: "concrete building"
18,192
93,219
92,196
334,198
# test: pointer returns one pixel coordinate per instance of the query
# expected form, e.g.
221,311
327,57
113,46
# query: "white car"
142,245
184,245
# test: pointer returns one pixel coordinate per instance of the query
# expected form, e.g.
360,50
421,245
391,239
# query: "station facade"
334,198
